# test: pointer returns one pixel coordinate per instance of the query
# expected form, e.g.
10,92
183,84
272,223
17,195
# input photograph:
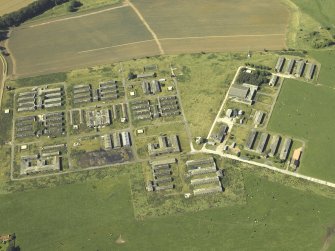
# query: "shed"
263,142
311,72
274,145
280,64
239,91
285,149
274,80
251,139
290,66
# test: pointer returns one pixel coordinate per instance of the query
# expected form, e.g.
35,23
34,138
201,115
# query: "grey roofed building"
259,117
274,80
207,180
239,91
221,133
166,187
274,145
263,142
290,66
155,86
125,138
168,161
203,191
194,164
280,64
201,170
166,145
145,87
150,68
301,68
116,140
34,164
107,141
285,149
311,71
147,75
251,139
49,105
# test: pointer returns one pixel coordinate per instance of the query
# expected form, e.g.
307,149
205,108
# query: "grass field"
8,6
304,111
274,212
107,34
311,24
320,10
327,73
103,30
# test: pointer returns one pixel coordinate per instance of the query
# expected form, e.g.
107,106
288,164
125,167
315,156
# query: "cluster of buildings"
168,106
165,145
116,140
162,175
40,98
275,143
205,178
84,93
98,118
147,109
298,68
45,162
24,127
151,87
49,124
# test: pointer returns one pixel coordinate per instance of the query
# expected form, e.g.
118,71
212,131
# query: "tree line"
32,10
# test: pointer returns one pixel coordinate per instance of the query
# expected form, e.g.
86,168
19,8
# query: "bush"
74,5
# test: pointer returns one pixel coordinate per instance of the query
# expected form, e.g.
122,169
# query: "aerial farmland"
167,125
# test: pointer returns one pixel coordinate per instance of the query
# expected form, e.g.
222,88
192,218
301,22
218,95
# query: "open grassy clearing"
8,6
311,23
320,10
305,111
274,211
327,73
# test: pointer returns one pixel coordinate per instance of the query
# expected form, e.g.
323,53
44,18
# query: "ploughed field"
7,6
119,34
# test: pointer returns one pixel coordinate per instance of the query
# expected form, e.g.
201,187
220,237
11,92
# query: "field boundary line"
223,36
115,46
4,76
146,25
79,16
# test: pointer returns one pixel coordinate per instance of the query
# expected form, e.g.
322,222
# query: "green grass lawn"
320,10
305,111
91,216
327,73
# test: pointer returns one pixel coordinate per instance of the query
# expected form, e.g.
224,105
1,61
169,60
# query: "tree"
74,5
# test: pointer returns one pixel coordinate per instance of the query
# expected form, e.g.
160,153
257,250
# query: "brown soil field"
7,6
182,18
119,34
